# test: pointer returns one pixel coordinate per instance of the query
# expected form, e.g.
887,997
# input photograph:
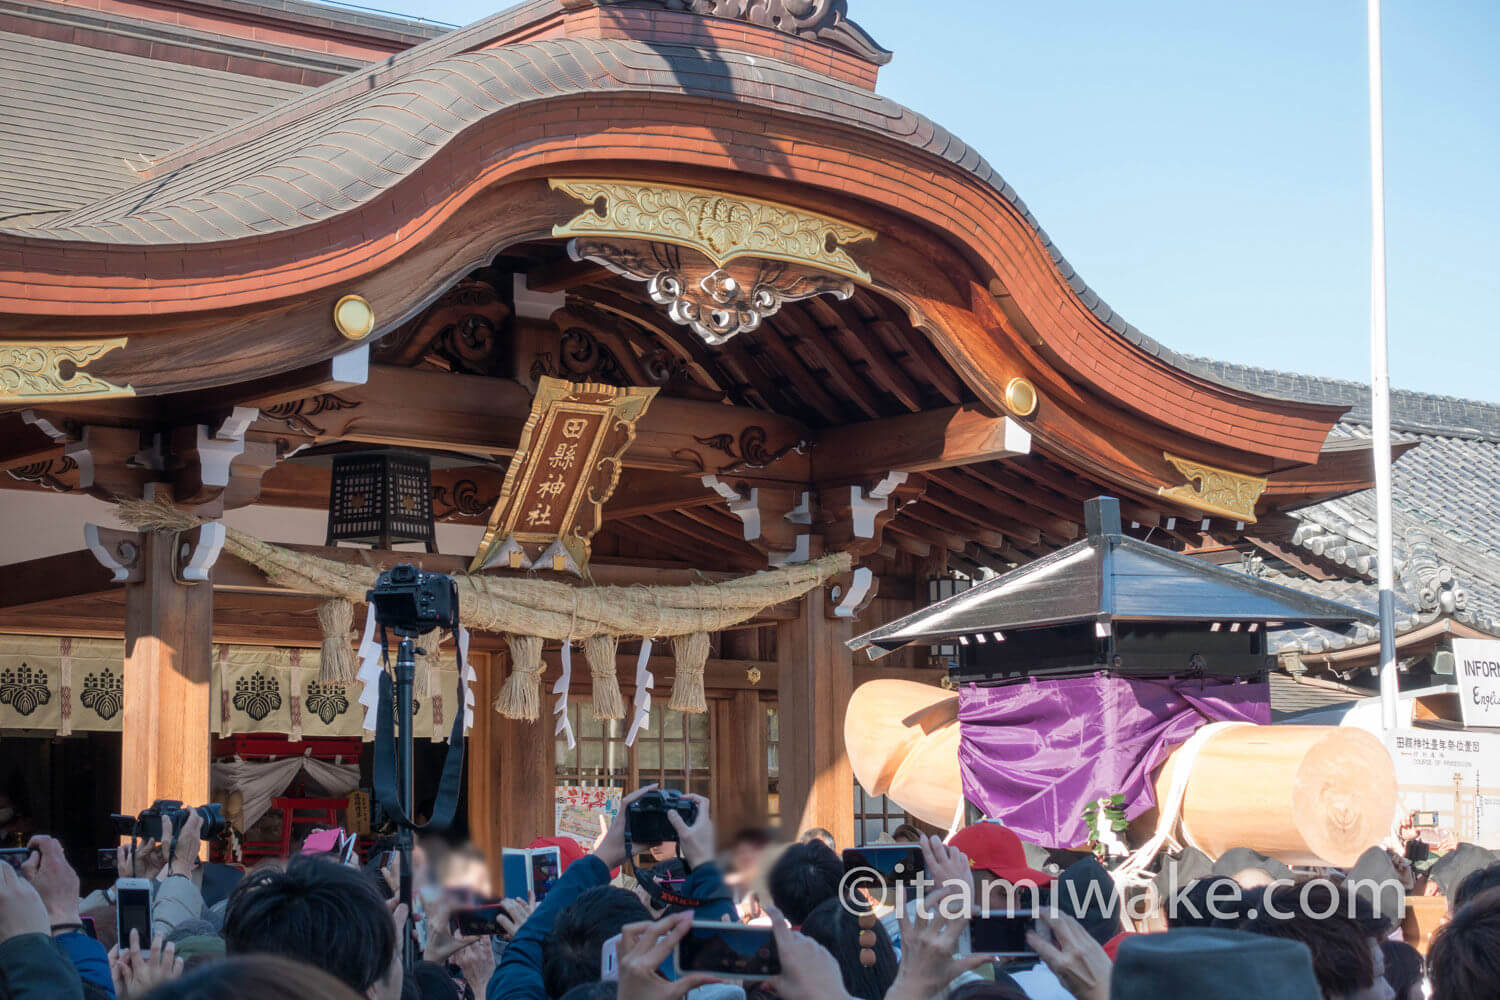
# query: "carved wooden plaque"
565,468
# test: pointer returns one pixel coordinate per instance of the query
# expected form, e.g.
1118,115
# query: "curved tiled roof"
337,158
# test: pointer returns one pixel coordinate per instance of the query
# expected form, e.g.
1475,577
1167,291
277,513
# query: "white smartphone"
133,911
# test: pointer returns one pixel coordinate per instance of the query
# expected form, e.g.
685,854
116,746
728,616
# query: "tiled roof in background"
1446,509
78,121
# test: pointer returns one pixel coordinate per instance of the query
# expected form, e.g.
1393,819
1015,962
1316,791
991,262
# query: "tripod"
406,672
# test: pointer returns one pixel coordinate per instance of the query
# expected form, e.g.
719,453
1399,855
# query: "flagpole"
1380,386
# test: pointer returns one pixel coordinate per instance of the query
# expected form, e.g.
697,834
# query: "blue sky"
1204,165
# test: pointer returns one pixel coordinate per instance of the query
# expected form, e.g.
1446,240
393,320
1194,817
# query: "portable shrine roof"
1107,577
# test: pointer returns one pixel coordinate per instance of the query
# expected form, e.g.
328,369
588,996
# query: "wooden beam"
918,442
165,733
52,578
740,780
470,413
643,492
816,683
1298,561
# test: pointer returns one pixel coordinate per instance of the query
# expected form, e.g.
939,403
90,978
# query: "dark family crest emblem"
327,701
104,693
24,689
257,695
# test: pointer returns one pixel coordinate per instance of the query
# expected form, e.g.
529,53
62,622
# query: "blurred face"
468,873
745,858
664,852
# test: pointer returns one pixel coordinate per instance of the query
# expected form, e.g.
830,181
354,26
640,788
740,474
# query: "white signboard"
1476,670
1454,774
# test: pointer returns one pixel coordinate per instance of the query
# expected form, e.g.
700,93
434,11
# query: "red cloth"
568,849
995,849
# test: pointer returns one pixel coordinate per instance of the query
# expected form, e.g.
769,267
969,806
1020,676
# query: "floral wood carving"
715,302
825,21
54,370
296,413
752,453
722,227
1214,490
580,358
462,501
49,474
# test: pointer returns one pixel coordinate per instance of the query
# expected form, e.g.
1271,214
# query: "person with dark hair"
432,982
559,946
820,835
321,913
836,928
803,878
1347,961
571,957
1215,901
1463,960
906,834
1474,884
1085,891
1403,969
255,977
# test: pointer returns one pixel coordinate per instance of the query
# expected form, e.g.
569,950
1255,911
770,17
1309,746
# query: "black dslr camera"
147,826
411,602
646,820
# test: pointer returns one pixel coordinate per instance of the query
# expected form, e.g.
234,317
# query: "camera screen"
476,922
731,950
898,864
1000,933
546,867
133,912
15,856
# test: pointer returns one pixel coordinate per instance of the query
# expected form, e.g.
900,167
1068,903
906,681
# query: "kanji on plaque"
566,466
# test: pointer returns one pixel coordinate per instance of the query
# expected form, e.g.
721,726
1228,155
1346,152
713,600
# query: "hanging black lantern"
381,498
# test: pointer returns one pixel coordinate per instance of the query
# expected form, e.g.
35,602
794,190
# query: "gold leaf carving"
1214,490
720,226
54,370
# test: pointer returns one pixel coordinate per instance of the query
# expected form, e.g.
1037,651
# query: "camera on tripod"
411,602
148,825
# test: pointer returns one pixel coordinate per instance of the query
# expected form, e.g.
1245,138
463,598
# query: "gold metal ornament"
1020,396
354,317
1214,490
53,369
753,675
721,226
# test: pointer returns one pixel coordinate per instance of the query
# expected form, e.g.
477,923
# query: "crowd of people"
312,928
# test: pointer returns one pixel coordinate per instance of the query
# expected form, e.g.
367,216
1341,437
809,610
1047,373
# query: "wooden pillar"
817,681
166,737
510,768
740,781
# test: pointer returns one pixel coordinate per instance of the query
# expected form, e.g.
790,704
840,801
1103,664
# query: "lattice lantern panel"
381,499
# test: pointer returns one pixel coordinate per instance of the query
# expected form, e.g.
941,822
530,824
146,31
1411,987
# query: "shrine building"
586,294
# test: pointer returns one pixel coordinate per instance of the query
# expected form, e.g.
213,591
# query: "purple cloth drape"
1034,754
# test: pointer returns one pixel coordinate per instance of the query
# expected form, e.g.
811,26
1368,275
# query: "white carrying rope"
1134,870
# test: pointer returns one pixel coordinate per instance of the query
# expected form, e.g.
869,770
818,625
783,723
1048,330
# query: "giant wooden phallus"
902,739
1309,795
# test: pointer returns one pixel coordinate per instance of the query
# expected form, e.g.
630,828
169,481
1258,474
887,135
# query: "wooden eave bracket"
197,551
117,550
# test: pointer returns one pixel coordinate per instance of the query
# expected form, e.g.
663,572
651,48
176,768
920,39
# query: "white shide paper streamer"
644,680
560,688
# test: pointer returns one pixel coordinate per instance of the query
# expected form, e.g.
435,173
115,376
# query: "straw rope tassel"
691,653
521,697
600,651
335,619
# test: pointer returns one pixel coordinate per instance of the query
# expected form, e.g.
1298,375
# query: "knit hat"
1211,964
